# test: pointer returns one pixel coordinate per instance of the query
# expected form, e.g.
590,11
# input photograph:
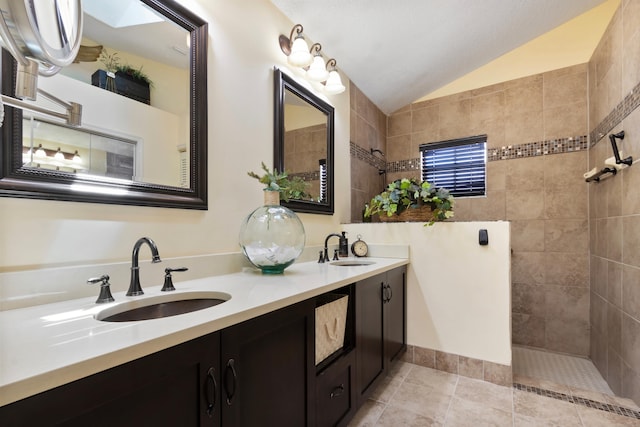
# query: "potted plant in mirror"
407,199
272,237
122,78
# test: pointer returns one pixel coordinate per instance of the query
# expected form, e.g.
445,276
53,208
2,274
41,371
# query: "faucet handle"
105,290
168,281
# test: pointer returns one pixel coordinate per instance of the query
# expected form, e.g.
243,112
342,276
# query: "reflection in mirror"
140,75
303,143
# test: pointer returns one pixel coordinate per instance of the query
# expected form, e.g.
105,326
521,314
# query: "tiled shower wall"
368,131
614,204
536,136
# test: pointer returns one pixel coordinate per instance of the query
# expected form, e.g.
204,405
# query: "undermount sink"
352,262
161,306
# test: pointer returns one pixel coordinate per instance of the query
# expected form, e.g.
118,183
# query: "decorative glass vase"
272,236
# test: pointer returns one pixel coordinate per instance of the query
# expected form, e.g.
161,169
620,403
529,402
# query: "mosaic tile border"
516,151
622,110
538,148
606,407
366,155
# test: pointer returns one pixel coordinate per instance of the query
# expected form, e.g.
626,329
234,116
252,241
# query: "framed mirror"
136,145
303,143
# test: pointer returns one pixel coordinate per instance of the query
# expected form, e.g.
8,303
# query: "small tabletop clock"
359,248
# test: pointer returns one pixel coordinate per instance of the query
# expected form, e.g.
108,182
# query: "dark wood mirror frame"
282,84
16,181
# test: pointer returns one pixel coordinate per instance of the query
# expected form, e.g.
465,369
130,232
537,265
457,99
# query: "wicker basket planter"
419,214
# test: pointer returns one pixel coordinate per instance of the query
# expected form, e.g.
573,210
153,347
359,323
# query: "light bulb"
334,83
317,70
40,153
300,56
59,156
76,158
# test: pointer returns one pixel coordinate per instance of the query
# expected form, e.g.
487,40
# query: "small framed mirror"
303,143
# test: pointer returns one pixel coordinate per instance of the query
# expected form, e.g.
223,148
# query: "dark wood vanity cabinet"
380,327
268,369
174,387
260,372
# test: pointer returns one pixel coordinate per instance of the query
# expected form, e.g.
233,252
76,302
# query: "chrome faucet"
134,285
343,246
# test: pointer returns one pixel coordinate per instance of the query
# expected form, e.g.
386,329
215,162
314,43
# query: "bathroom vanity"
249,361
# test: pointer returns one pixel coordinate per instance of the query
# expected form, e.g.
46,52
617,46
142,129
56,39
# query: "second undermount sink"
161,306
352,262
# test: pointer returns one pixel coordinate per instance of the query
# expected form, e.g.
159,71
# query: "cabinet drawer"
334,393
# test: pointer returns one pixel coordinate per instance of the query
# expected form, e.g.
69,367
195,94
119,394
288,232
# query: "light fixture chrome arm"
73,115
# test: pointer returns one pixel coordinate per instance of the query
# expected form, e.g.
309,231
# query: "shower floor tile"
574,372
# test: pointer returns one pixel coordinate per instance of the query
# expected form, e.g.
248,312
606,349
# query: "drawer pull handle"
336,392
211,391
230,368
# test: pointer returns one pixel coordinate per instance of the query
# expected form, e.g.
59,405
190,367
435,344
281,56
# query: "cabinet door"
268,369
369,335
172,387
395,320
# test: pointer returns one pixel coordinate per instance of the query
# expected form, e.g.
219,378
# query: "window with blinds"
458,165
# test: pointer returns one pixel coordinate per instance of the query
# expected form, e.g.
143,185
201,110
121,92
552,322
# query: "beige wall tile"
425,119
614,372
424,357
566,235
525,174
631,240
630,383
568,336
399,124
565,89
631,290
528,267
565,120
525,204
528,299
528,330
566,269
613,237
631,342
492,207
524,127
598,275
496,175
614,328
528,235
614,283
598,314
570,203
567,169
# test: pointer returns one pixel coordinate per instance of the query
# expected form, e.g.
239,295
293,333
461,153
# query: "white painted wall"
243,50
458,292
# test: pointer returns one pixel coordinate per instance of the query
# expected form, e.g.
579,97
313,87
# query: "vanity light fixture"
333,85
297,50
298,54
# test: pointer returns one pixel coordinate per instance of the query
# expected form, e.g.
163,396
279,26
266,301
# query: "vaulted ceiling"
399,51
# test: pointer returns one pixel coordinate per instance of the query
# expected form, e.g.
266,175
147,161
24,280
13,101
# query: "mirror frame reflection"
283,84
28,182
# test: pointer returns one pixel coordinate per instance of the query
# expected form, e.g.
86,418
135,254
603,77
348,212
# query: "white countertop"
46,346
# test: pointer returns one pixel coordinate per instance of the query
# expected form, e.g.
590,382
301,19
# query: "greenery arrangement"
112,64
289,188
135,73
110,60
407,193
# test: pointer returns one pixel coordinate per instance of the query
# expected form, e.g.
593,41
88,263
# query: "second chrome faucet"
134,285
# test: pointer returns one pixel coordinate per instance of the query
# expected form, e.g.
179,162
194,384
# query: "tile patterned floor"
413,395
573,371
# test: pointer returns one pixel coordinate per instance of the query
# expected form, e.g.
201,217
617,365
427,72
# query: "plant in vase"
272,237
111,63
407,199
